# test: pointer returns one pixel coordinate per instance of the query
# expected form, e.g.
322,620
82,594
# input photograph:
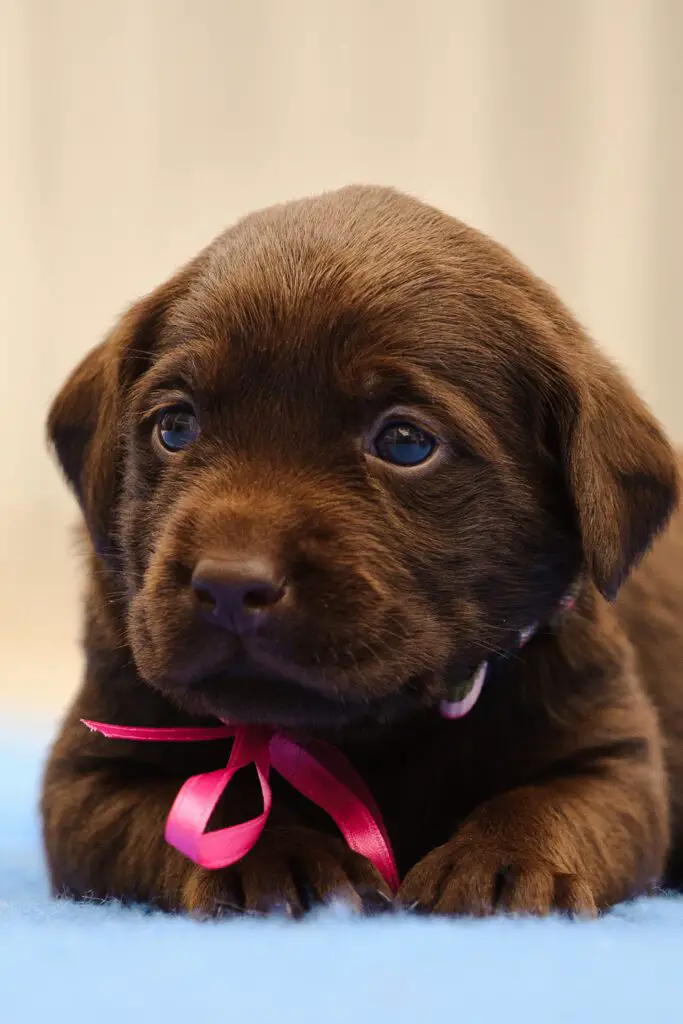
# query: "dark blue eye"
404,444
177,428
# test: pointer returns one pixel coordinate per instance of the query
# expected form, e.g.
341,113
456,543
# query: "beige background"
131,131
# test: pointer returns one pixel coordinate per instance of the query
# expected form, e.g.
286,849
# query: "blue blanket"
102,964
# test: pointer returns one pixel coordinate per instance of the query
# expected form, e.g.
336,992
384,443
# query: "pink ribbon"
316,770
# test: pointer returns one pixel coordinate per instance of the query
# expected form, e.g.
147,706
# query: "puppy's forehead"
337,277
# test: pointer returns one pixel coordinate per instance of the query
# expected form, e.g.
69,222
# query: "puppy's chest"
427,783
424,796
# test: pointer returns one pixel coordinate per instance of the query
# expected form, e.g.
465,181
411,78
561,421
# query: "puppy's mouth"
245,691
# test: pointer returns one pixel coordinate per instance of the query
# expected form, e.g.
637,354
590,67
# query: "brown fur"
292,333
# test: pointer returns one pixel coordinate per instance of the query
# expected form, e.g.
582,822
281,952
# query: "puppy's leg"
579,842
104,837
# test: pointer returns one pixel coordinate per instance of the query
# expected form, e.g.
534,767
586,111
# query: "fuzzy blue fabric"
61,962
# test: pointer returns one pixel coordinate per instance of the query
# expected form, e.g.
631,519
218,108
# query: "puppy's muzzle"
238,593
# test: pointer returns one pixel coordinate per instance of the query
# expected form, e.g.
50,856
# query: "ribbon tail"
159,735
337,789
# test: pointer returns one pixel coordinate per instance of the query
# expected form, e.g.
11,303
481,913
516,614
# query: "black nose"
237,593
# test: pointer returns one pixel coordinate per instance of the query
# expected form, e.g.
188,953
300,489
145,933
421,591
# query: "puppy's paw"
291,871
466,877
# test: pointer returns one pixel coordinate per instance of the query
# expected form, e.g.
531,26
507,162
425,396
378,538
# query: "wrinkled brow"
194,366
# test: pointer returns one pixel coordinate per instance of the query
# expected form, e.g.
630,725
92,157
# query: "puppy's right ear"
81,428
85,422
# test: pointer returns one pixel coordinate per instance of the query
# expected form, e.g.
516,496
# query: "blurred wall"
132,131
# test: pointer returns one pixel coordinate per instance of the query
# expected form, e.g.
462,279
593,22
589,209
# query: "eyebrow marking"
387,375
179,367
157,400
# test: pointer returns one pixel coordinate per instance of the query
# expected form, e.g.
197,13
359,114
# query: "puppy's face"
344,456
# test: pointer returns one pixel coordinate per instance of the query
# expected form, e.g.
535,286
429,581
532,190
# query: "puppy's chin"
282,703
266,698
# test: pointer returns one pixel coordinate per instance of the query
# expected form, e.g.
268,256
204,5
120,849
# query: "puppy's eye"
404,444
177,428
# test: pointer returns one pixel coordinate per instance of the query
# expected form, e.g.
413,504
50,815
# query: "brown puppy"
347,453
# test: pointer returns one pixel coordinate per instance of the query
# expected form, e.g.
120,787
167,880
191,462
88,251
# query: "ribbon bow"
316,770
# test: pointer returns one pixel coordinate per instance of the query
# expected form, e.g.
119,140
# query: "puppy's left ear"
620,471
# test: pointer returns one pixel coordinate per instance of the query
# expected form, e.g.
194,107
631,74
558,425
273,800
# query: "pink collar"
319,772
465,695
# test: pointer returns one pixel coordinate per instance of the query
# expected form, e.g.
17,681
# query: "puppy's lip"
264,686
241,666
267,698
275,701
265,680
245,692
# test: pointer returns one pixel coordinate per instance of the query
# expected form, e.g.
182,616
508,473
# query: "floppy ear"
81,427
85,421
623,475
620,471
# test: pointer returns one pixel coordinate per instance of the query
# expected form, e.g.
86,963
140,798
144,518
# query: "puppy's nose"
237,593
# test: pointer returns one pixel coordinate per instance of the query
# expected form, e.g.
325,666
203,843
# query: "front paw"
292,870
474,876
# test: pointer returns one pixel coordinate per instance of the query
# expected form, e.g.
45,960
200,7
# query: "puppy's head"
347,452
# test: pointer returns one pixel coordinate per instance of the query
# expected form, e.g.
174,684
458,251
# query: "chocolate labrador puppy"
334,474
